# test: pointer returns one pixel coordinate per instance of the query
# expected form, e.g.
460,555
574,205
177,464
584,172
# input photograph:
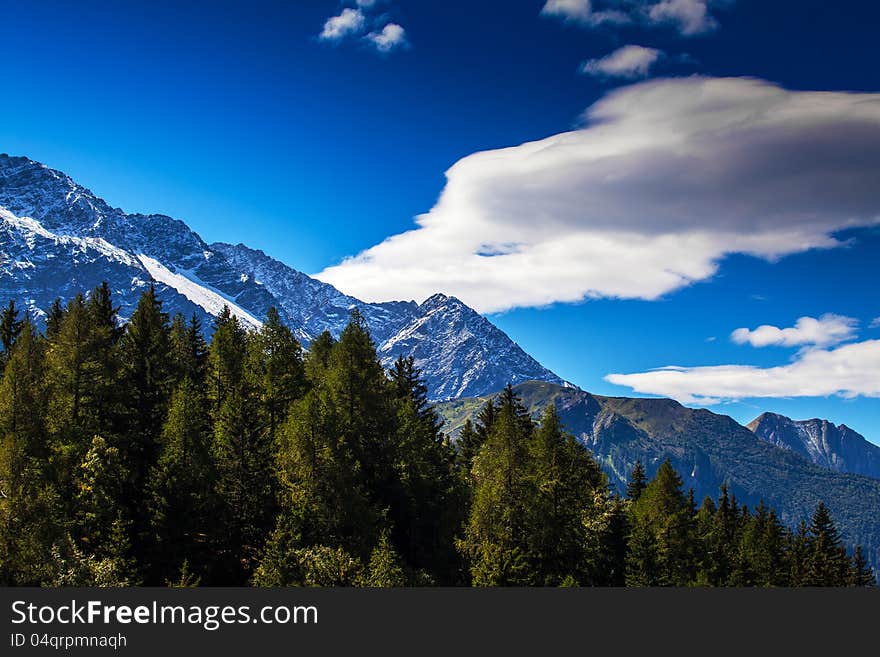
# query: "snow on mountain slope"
458,350
201,295
310,305
58,239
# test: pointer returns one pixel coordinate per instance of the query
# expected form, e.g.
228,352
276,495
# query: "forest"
142,454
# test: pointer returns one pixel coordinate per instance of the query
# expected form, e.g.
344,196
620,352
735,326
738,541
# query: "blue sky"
238,118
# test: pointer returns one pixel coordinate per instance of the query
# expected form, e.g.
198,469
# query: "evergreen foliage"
141,454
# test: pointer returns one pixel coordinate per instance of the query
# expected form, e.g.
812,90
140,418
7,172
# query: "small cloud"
350,21
689,16
581,11
365,4
389,38
826,331
711,338
629,62
875,323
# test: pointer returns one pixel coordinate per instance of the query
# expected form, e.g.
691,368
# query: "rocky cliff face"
836,447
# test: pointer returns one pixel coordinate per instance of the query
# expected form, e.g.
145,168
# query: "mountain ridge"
57,238
837,447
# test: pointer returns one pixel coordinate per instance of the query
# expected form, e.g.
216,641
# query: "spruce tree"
495,540
638,480
10,328
861,574
468,446
662,510
276,368
357,388
180,489
30,512
189,352
53,319
827,563
565,478
146,375
83,373
245,474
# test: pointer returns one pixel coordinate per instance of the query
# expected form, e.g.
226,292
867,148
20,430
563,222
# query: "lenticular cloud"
664,179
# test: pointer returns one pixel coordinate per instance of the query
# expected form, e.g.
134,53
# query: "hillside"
706,449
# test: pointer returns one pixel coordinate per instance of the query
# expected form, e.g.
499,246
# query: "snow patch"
197,292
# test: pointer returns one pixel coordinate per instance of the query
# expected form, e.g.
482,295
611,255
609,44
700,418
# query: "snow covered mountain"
838,448
57,238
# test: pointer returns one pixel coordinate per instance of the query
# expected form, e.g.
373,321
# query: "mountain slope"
838,448
459,351
707,450
57,239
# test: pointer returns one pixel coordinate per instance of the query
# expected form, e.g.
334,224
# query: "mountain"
706,449
57,239
838,448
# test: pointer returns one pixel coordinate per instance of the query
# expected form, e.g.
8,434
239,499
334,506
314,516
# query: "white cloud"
627,62
689,17
875,323
582,11
365,4
388,38
349,22
665,179
826,331
847,371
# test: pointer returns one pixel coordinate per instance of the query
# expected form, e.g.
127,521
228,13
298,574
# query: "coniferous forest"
142,455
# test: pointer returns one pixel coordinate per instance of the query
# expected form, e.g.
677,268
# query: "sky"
658,197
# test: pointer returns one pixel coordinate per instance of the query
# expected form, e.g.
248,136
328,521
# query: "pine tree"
495,538
638,480
146,375
83,373
357,388
662,510
30,511
317,360
324,504
798,557
468,446
861,574
642,561
243,456
827,564
427,507
180,488
384,569
189,352
101,531
564,480
277,370
486,420
53,319
10,328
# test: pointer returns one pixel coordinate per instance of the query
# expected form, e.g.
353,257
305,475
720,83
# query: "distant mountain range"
706,449
57,239
838,448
